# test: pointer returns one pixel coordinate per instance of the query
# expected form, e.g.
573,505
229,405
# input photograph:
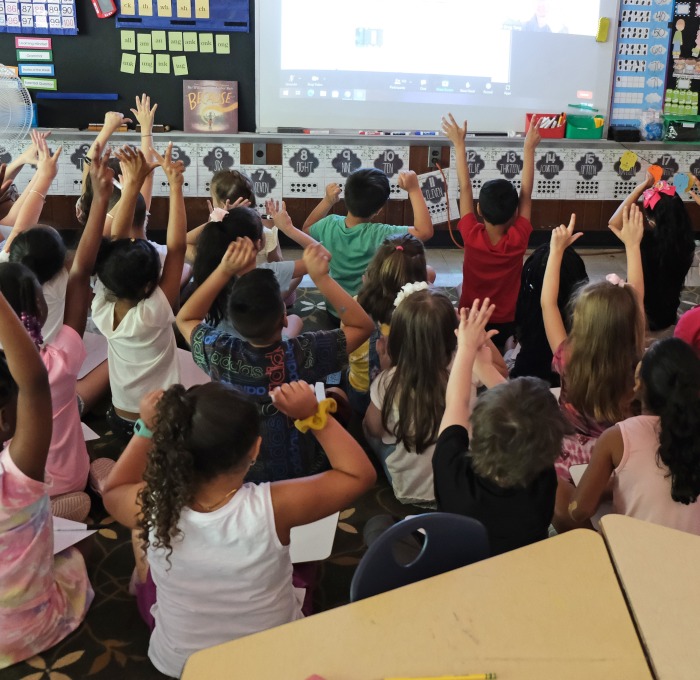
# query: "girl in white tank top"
218,548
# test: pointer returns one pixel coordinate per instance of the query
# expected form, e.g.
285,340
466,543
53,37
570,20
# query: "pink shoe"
74,506
99,471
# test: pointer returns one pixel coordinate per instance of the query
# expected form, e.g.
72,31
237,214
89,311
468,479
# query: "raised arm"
616,220
145,115
357,325
29,156
305,500
282,220
631,235
471,336
422,227
135,168
456,134
32,436
605,457
532,139
35,194
176,237
562,237
323,208
113,121
78,289
238,257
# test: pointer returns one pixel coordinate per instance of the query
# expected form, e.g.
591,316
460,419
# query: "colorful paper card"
146,63
158,41
33,43
128,63
201,9
39,83
34,55
36,69
162,63
184,9
128,40
146,8
165,8
144,43
175,41
206,42
189,42
180,65
127,7
223,44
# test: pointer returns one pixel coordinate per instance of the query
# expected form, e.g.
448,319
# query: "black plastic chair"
451,541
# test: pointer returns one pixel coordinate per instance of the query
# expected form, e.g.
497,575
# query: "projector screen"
401,64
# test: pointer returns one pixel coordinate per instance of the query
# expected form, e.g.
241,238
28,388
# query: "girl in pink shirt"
68,462
43,597
654,458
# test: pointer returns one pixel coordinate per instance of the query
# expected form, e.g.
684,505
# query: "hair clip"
653,195
408,289
399,248
615,280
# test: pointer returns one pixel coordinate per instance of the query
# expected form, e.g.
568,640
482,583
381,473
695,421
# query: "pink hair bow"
615,280
653,195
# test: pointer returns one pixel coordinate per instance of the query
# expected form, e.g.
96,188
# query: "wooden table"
553,610
659,570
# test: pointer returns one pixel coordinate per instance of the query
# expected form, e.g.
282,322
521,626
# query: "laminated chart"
223,16
37,17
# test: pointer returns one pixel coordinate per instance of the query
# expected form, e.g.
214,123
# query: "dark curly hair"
198,434
42,250
129,268
670,374
398,261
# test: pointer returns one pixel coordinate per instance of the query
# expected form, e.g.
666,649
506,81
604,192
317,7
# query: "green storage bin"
583,127
682,128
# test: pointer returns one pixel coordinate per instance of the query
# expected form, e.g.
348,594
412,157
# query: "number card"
267,184
435,192
391,160
303,170
210,159
38,17
341,161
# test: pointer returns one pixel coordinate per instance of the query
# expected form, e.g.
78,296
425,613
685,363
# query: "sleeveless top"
229,576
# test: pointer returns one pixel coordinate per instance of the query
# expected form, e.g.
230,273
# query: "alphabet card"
181,152
391,160
303,168
267,183
341,161
211,158
435,191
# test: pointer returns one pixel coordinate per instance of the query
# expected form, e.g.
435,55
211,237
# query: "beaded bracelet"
319,419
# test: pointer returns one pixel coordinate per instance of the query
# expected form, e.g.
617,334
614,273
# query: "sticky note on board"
201,9
206,42
165,8
158,41
146,8
189,42
128,63
147,62
128,39
184,9
127,7
143,43
162,63
180,65
656,171
682,181
628,160
175,41
223,44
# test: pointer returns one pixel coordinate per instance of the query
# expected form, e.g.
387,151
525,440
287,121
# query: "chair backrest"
451,541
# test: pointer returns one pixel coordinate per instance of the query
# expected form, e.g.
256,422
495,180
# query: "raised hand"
296,400
30,155
47,164
238,256
144,114
174,170
101,175
135,168
333,193
317,259
632,226
148,408
471,334
279,216
453,131
563,236
408,180
533,137
114,120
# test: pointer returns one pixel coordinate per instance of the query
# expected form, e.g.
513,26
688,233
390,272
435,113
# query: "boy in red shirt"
493,251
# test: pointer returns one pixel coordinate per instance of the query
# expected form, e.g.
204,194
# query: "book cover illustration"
210,106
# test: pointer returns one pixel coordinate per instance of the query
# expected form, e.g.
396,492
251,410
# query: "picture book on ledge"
210,106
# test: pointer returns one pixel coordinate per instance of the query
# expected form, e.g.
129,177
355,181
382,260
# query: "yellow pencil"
473,676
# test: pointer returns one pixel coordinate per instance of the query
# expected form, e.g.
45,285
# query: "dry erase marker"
370,132
473,676
396,134
420,133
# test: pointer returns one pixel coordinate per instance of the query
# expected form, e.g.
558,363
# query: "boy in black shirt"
506,480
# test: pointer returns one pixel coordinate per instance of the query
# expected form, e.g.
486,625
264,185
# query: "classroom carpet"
112,642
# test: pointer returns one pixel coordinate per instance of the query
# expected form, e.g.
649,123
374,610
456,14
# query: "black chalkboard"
90,62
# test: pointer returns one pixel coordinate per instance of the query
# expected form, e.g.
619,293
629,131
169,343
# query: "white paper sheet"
67,533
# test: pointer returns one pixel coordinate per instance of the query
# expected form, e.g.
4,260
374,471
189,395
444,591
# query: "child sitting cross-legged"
502,472
263,360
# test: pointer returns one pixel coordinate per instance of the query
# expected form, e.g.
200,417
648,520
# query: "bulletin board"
185,15
683,74
92,62
39,17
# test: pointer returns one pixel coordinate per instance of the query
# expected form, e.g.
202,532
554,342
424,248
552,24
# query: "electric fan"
15,108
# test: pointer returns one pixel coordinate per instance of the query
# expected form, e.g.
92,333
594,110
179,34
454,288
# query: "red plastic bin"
547,133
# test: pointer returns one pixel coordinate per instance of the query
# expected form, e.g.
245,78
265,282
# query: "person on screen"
542,20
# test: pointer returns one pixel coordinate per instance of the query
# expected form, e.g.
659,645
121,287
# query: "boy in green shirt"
352,240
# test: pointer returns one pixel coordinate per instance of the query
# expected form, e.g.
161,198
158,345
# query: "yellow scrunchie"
319,419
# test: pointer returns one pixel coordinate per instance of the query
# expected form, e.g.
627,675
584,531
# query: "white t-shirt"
229,576
411,473
270,240
142,352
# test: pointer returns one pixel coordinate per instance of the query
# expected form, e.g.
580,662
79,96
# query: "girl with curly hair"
217,548
654,458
